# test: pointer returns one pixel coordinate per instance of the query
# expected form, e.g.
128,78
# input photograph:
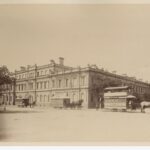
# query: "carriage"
59,102
24,102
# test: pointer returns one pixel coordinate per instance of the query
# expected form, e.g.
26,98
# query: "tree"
98,88
146,96
4,77
107,82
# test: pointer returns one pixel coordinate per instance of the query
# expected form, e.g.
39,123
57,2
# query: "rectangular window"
82,80
41,85
59,83
41,73
37,85
31,86
11,87
19,87
45,83
45,72
53,83
37,74
67,82
22,87
74,82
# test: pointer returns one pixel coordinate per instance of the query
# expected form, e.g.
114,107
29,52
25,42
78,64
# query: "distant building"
42,83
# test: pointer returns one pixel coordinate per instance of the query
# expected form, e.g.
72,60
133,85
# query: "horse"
33,103
144,105
78,104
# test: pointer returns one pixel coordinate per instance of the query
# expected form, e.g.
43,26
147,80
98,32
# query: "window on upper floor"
59,83
41,73
33,74
45,84
37,85
18,87
24,86
45,72
30,86
74,82
11,87
41,85
53,83
67,82
37,74
83,80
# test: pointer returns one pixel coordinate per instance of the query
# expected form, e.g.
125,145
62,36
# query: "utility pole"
35,82
14,89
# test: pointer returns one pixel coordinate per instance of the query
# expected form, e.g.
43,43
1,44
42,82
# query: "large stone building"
43,83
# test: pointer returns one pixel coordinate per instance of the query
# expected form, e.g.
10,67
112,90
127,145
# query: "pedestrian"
97,104
4,106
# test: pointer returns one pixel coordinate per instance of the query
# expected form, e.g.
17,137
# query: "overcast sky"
115,37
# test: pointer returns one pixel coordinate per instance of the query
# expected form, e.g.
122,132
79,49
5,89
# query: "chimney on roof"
61,61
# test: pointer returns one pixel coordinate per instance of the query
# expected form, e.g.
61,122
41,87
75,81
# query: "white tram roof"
117,88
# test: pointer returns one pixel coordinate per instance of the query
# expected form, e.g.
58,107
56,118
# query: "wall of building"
47,85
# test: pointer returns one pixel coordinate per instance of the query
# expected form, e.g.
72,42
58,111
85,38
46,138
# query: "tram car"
118,98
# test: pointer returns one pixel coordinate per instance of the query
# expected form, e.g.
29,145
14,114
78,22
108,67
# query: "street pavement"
66,125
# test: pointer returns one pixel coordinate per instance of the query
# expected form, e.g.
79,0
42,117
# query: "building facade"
42,83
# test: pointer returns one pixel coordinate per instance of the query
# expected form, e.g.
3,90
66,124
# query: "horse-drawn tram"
118,98
22,102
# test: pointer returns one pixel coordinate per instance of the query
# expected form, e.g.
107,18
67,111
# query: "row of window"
42,85
55,84
46,98
6,87
135,88
139,89
32,74
21,87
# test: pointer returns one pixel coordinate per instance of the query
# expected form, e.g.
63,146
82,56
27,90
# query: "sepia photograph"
74,72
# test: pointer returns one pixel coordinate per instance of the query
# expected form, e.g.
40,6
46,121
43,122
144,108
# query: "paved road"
35,125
